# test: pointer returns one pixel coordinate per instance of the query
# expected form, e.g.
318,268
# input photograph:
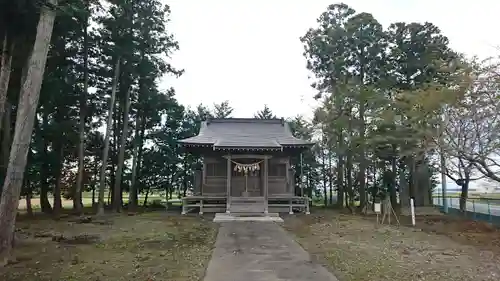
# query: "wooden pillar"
288,176
228,185
266,183
198,182
203,176
204,172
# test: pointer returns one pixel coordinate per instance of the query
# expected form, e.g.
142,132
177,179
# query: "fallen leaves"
476,233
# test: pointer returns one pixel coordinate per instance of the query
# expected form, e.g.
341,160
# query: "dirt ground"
149,246
439,248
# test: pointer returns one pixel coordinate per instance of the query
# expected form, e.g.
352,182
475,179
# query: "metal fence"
480,209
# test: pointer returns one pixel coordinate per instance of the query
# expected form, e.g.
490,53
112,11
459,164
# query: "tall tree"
102,178
28,102
325,49
5,70
222,110
85,23
265,113
369,80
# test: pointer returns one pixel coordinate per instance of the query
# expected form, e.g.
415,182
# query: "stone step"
255,214
239,214
247,208
223,217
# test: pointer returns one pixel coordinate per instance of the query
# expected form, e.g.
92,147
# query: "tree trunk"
93,194
132,201
121,156
57,187
184,192
114,151
330,175
6,142
349,162
339,102
5,70
340,171
146,198
44,188
413,181
362,158
404,188
109,196
394,171
77,197
28,193
464,194
139,155
29,207
28,102
350,189
325,173
95,179
102,179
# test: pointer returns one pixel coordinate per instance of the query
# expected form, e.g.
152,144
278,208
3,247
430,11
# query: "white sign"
377,208
412,210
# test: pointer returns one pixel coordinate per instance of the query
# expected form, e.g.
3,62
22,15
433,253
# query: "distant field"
488,199
493,196
35,203
87,201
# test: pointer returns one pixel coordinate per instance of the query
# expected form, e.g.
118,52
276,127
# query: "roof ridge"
246,120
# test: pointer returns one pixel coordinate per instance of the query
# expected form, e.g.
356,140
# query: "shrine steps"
232,217
256,205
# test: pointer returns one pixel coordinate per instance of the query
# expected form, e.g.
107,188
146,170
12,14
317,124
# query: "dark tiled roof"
245,133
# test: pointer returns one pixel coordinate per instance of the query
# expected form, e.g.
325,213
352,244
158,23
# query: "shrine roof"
245,133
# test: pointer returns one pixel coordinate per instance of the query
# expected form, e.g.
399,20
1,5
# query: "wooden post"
198,182
287,173
266,183
228,185
203,176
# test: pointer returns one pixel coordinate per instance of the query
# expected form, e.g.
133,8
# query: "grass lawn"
147,246
356,249
67,204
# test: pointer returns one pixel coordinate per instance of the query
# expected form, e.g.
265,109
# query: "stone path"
261,251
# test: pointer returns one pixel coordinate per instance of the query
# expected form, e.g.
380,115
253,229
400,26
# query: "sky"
249,52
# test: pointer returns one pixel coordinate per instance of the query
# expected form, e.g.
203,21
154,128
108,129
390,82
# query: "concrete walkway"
261,251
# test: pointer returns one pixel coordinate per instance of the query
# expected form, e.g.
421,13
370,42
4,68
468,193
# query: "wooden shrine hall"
246,167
